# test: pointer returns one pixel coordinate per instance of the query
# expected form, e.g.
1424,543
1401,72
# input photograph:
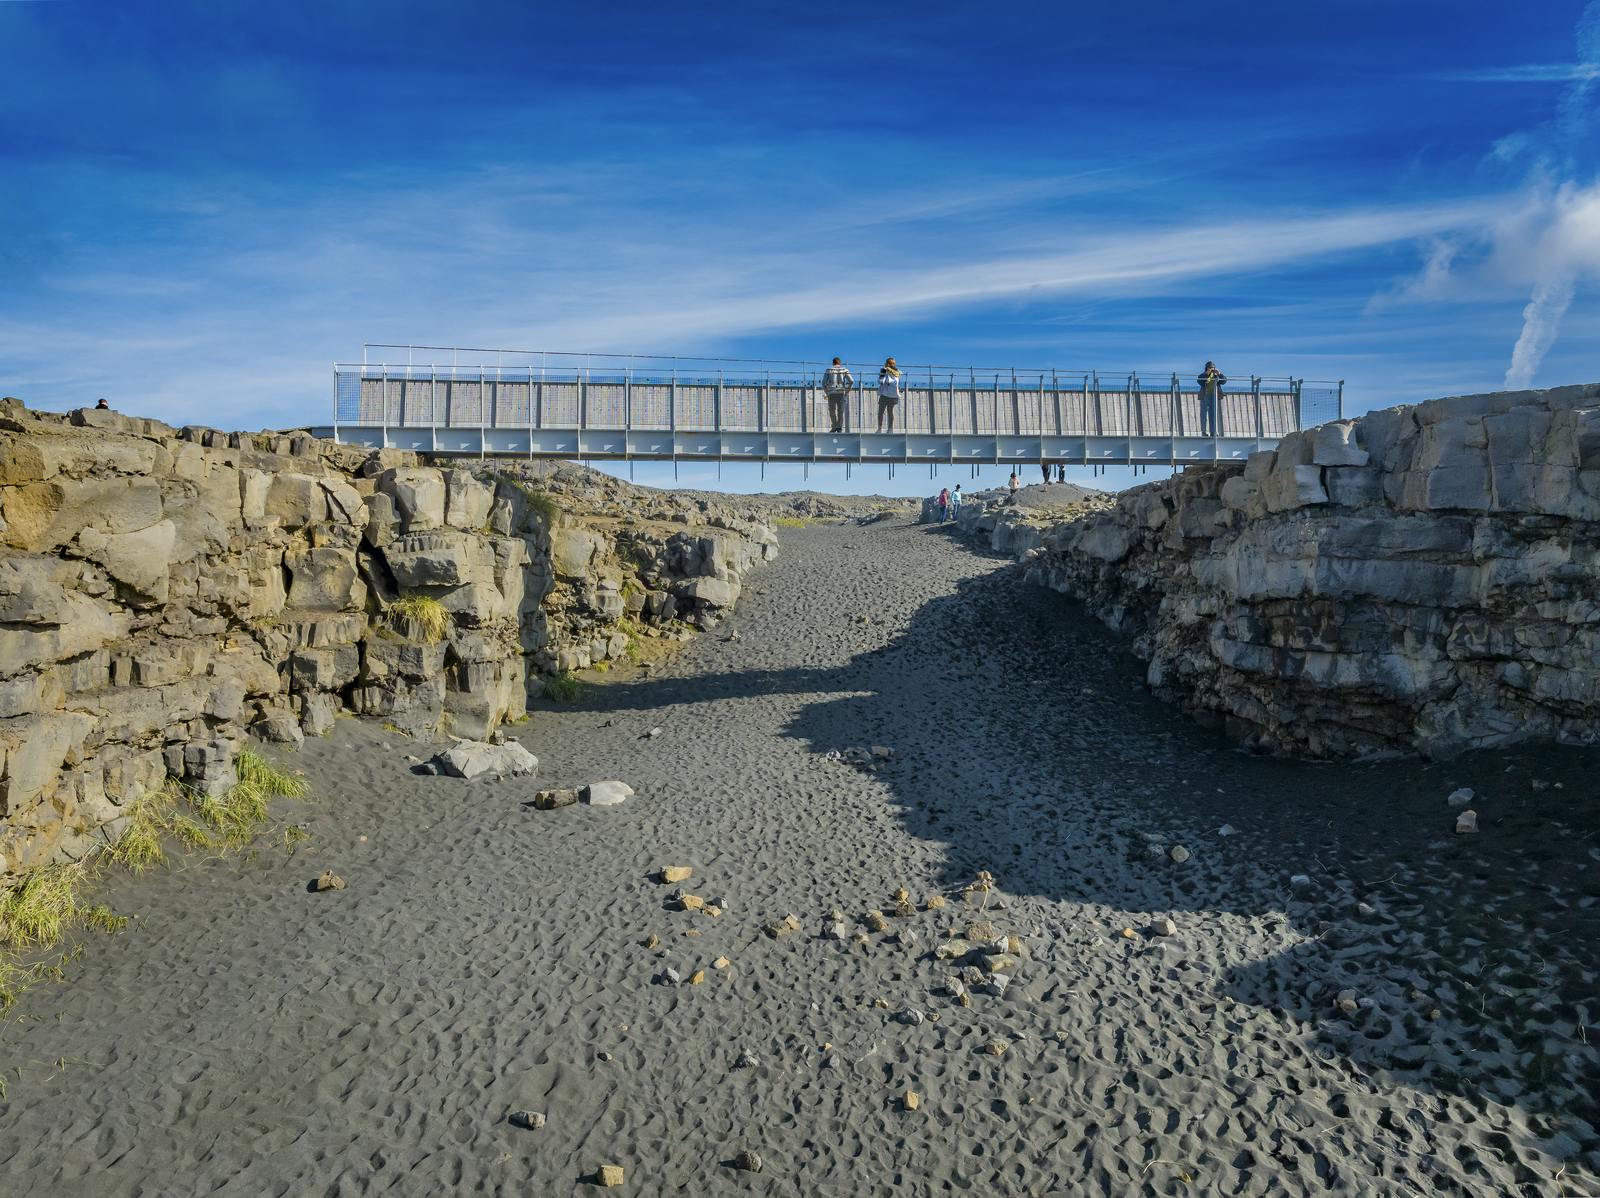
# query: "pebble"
748,1161
671,977
697,977
1226,830
531,1120
783,927
609,1176
550,800
651,941
721,904
654,732
996,983
675,873
1163,927
1466,822
951,950
691,902
1460,798
1178,853
747,1060
831,1061
910,1016
995,1048
721,963
1346,1002
604,1056
877,922
1300,882
836,931
934,902
910,1100
328,880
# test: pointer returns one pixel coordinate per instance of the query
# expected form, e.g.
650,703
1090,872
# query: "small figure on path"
1045,466
1061,472
944,504
1013,483
102,405
955,503
836,384
1211,380
889,390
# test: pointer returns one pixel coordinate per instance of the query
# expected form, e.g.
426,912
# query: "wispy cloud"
1549,72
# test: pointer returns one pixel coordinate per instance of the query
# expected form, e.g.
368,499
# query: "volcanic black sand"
246,1037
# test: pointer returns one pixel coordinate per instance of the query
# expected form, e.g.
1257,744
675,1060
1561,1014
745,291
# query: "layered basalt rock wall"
165,592
1423,578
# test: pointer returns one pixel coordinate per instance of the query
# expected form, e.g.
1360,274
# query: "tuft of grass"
425,613
140,846
103,919
35,913
792,521
539,501
563,688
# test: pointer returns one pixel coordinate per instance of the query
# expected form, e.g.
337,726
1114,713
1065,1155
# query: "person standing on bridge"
1210,380
890,387
836,384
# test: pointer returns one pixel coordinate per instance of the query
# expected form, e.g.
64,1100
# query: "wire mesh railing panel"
464,403
651,405
1154,413
557,404
1236,414
513,404
1115,414
1029,408
741,408
605,405
1319,403
785,408
696,407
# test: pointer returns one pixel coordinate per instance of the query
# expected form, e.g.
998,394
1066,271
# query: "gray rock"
1459,798
606,794
1178,853
747,1161
550,800
910,1016
1164,927
475,759
1467,822
670,977
530,1120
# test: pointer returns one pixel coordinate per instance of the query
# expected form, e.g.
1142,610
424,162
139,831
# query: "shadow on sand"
1026,743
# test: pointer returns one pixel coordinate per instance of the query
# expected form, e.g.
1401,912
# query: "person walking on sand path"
955,503
1013,483
1211,380
1045,466
836,384
944,504
890,387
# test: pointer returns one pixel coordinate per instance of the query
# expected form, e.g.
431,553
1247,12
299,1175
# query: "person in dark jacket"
1211,380
836,383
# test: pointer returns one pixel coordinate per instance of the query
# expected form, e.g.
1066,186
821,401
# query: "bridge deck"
948,416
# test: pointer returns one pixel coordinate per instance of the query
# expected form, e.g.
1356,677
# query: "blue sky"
206,204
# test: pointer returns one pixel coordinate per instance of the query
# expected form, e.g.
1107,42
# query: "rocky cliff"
165,592
1423,578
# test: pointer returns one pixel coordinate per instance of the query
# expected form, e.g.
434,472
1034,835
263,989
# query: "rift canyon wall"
165,593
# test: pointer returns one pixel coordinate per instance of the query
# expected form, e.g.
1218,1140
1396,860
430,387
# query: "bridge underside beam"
638,445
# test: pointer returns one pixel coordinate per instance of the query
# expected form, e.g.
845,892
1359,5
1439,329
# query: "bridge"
539,404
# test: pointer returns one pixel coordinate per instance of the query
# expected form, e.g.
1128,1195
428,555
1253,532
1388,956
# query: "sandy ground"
246,1037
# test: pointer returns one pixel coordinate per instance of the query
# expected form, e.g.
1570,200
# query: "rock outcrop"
165,592
1014,524
1422,578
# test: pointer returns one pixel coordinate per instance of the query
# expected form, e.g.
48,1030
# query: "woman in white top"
890,388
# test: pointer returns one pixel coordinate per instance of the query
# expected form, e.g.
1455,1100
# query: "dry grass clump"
36,912
792,521
424,613
563,688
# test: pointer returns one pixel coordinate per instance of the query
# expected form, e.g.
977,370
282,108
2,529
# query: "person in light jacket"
890,388
955,503
836,383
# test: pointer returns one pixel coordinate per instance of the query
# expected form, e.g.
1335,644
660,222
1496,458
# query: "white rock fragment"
606,794
1459,798
1466,822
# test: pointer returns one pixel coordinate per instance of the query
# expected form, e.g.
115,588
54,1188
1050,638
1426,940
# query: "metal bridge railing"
704,395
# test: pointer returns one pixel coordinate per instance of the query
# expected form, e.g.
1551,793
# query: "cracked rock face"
166,592
1419,579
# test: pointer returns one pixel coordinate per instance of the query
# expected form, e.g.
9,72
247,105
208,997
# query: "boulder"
606,794
475,759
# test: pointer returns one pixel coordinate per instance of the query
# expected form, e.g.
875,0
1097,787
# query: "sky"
204,205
